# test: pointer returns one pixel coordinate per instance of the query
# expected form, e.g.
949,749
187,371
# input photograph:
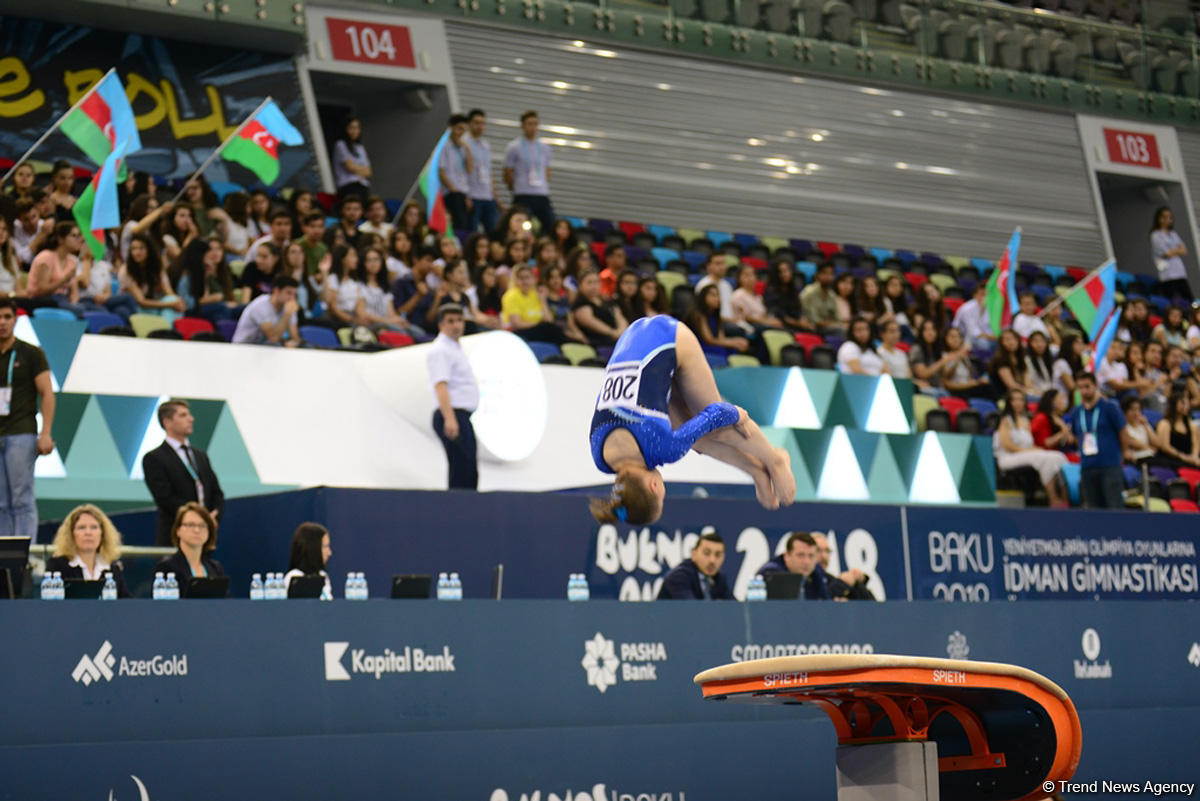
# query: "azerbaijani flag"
1093,298
1107,332
1001,300
103,119
97,208
429,188
255,145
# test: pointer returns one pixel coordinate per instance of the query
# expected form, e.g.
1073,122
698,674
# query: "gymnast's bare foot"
782,477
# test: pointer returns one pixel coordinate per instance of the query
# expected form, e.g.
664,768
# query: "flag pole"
217,152
1061,299
54,127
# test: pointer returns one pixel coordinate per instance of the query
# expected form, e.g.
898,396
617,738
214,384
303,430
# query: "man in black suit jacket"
699,578
176,472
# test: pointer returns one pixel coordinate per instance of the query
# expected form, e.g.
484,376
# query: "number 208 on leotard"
621,384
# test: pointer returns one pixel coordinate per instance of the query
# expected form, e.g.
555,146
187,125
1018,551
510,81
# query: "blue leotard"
636,396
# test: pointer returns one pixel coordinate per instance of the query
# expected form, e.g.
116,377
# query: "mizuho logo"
94,668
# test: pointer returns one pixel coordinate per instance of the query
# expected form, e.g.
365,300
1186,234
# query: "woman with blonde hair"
86,546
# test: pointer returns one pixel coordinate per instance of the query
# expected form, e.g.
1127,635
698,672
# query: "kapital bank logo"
406,659
638,661
91,669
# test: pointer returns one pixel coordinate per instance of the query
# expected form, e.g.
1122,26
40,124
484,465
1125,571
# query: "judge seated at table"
800,556
87,546
194,534
699,578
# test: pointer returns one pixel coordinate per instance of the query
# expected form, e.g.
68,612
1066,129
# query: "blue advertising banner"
499,701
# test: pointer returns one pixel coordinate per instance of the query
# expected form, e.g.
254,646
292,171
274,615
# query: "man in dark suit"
699,578
176,472
800,556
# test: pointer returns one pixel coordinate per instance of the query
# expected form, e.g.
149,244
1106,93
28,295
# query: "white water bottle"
363,594
109,593
443,587
456,593
256,587
348,592
584,591
47,591
172,587
160,587
60,587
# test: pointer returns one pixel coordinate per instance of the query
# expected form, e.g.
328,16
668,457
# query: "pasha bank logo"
638,661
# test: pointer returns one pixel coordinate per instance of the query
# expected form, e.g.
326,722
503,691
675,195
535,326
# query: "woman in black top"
782,293
194,534
1007,367
1180,445
597,319
87,546
706,323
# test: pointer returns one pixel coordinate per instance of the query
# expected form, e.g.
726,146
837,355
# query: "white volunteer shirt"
447,362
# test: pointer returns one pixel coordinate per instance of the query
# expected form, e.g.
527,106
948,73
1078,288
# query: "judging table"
495,700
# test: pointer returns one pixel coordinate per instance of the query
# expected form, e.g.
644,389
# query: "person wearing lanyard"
484,209
455,165
527,172
26,378
457,395
699,578
800,557
177,472
1099,427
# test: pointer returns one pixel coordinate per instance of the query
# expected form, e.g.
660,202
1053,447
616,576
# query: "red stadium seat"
915,280
598,250
326,201
631,228
188,327
829,248
952,304
1178,505
759,287
1191,476
809,341
394,339
1154,320
1077,273
953,406
759,265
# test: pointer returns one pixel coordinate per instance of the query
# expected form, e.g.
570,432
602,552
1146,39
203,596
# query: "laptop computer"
14,560
206,587
306,586
414,586
783,586
82,589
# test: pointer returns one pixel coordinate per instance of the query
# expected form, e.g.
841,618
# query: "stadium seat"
742,360
775,341
631,229
395,339
968,421
915,279
1071,473
98,321
829,249
541,350
695,260
664,255
660,232
188,327
808,269
1180,505
51,313
1164,476
576,352
1192,477
718,238
690,235
808,341
938,420
792,356
922,405
683,300
983,405
881,254
822,357
952,303
226,328
669,281
802,247
143,324
1178,489
318,336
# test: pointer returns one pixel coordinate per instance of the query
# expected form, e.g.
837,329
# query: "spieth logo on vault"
100,666
637,662
406,660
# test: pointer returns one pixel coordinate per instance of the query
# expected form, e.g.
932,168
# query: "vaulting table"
914,728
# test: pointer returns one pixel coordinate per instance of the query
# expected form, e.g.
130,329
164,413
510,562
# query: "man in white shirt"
281,234
481,187
715,274
457,394
1112,375
268,318
1027,321
971,319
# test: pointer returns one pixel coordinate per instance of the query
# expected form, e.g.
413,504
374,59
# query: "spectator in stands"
176,472
749,310
1052,318
206,210
895,360
1007,367
145,212
527,171
62,179
929,305
258,274
626,294
525,311
12,277
237,223
310,554
1068,364
1026,322
699,578
375,308
206,286
1179,444
351,166
175,231
457,395
1168,250
782,295
310,289
350,212
857,354
558,298
313,244
1014,447
800,557
971,319
1113,371
714,273
488,297
1157,380
1049,428
86,546
1174,365
28,379
413,296
477,251
412,222
480,187
271,319
1039,367
95,287
851,585
843,296
546,255
927,359
30,230
1099,426
895,299
52,276
819,304
564,237
651,298
615,263
868,302
1141,443
399,254
1135,322
1173,328
375,218
579,261
709,327
280,233
194,535
1193,332
343,291
259,216
21,188
516,253
959,377
595,317
144,278
455,165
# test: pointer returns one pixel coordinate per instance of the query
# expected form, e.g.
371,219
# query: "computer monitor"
306,586
76,589
416,586
14,558
783,586
206,587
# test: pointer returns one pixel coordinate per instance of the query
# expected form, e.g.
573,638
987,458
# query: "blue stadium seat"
541,350
983,265
50,313
1124,278
881,254
393,206
906,257
983,405
601,227
1071,473
635,254
97,321
659,231
718,238
696,261
576,222
223,188
808,269
1054,271
321,337
1042,293
1147,281
1131,475
664,255
746,241
1152,417
1159,303
803,247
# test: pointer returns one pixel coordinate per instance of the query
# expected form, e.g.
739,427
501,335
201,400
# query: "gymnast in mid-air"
659,400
